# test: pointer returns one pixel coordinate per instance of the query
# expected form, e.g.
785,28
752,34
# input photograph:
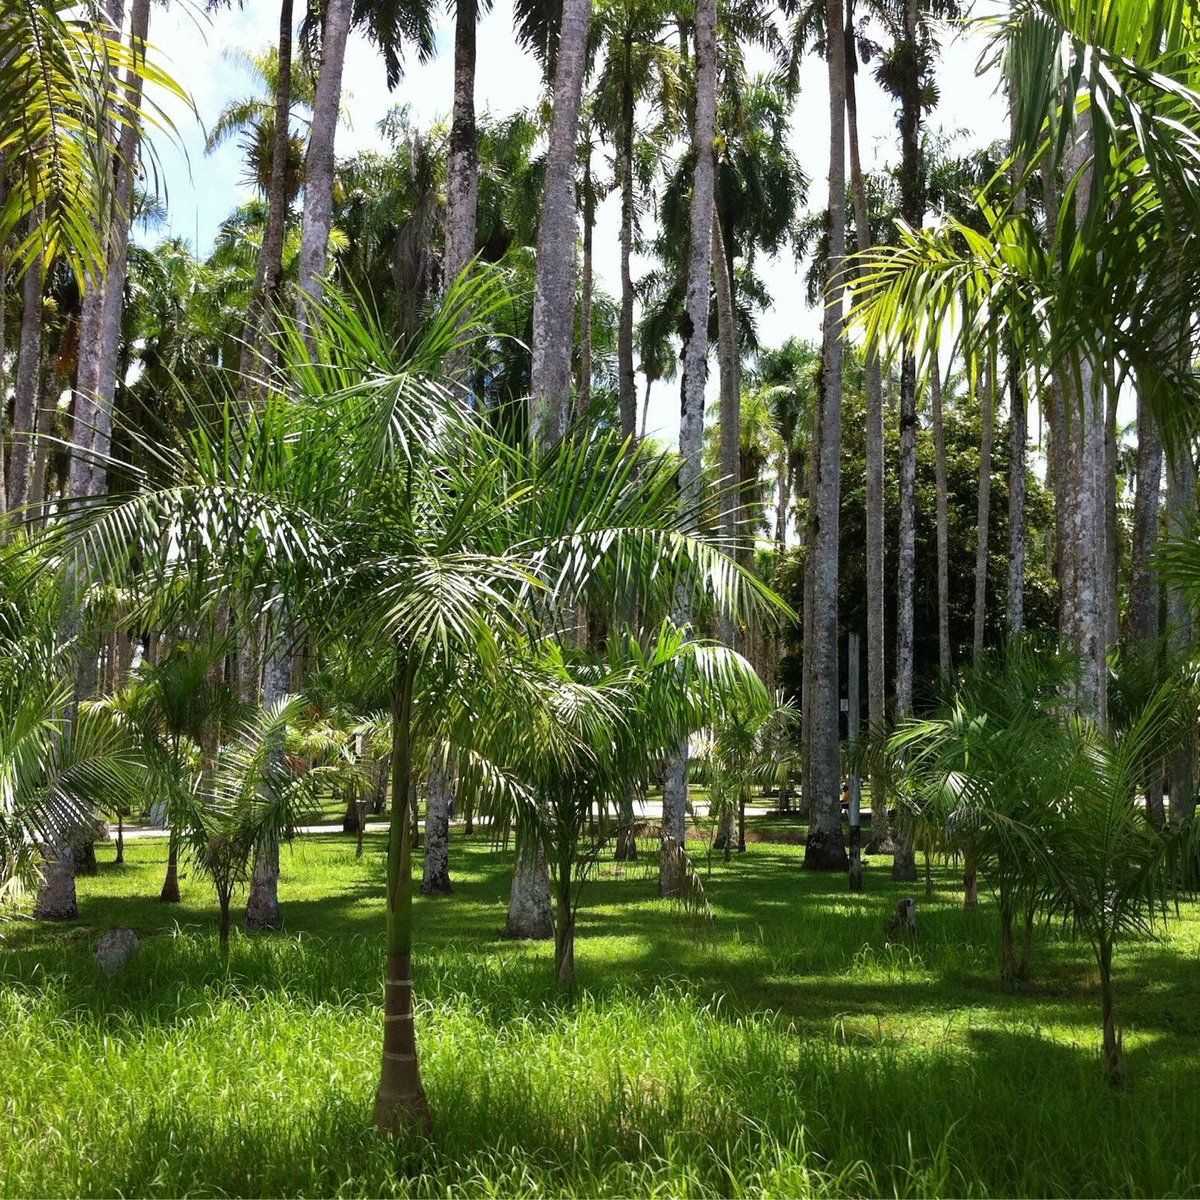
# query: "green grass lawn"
790,1053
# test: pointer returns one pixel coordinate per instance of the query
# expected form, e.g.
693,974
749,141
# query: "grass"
792,1053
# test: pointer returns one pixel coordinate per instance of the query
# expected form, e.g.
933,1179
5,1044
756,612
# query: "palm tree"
487,542
59,61
636,62
554,281
695,371
825,848
274,161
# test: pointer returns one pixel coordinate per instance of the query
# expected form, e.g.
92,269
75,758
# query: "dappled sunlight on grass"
793,1051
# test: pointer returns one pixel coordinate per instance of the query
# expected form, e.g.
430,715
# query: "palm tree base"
825,851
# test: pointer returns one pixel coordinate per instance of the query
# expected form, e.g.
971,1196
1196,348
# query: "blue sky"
202,189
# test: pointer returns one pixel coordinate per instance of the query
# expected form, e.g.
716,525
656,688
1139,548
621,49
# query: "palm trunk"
586,293
626,850
943,521
695,371
1017,438
56,900
27,386
529,902
1144,592
554,281
627,395
170,887
118,257
904,867
1112,549
120,859
730,406
319,162
400,1099
986,401
564,933
262,905
1181,513
970,883
436,878
1114,1054
825,848
873,374
268,279
462,182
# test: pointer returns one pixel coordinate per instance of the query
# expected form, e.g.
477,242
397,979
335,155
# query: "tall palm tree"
554,282
695,372
825,848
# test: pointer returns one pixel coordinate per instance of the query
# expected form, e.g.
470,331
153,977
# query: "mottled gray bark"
435,880
730,407
462,178
825,848
984,510
268,279
1181,629
1144,591
695,372
56,899
319,162
81,476
943,519
873,379
530,912
118,257
1017,438
262,905
1145,595
554,279
586,293
1112,548
626,388
27,387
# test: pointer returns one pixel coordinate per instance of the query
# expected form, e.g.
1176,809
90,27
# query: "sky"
201,190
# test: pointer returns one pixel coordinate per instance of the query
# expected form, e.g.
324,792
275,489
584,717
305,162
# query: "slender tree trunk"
1112,548
120,859
730,407
223,922
970,883
170,887
436,878
626,850
118,254
1145,595
554,280
400,1102
1181,513
825,848
586,294
984,517
320,163
943,521
695,372
266,298
262,905
626,386
1114,1053
1017,438
91,324
873,376
462,182
27,386
564,934
1084,491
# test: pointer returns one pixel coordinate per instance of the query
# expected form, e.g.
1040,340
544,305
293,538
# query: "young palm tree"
366,496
